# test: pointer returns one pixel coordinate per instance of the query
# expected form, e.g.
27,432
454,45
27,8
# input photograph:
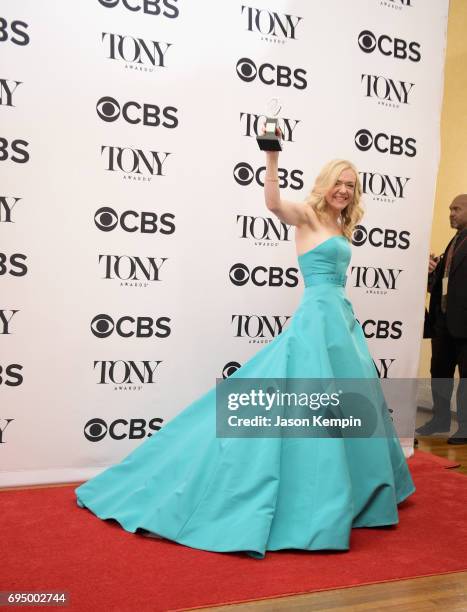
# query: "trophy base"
269,142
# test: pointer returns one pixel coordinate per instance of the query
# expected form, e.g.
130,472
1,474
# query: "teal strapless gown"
264,494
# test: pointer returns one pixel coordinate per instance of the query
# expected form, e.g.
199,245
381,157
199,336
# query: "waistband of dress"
320,278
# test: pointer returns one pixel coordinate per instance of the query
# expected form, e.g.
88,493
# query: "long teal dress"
263,494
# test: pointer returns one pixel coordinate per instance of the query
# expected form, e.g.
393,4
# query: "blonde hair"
325,180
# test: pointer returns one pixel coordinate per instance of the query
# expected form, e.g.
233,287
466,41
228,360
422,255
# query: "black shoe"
433,427
460,437
415,442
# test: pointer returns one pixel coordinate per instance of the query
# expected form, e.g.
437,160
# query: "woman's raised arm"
291,213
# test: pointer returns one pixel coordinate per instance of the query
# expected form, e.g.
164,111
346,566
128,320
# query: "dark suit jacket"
456,314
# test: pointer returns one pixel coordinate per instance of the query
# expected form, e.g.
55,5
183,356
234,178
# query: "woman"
271,493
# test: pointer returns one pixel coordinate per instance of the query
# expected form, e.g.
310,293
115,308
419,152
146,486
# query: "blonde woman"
277,490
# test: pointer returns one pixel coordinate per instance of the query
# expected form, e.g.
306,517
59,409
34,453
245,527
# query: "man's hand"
433,262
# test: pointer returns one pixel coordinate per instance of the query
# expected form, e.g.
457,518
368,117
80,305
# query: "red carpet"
422,455
47,543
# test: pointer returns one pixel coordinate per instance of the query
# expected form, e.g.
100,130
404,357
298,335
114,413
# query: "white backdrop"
185,206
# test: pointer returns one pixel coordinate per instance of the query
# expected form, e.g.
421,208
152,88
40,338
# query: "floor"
446,592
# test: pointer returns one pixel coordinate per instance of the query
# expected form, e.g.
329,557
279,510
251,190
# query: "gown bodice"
326,263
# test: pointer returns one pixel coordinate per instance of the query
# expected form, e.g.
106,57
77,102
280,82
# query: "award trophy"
269,141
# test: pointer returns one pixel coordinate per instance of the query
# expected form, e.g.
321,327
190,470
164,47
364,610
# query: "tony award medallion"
269,141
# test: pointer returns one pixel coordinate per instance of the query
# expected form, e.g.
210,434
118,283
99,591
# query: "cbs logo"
385,143
18,34
150,7
10,375
102,326
382,329
15,261
107,219
282,76
396,47
244,174
18,153
96,430
132,112
261,276
377,237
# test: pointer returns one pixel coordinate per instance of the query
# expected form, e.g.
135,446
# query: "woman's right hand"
273,154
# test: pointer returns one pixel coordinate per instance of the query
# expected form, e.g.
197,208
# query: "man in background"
447,327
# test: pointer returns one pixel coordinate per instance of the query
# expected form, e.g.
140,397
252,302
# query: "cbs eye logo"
95,430
102,326
106,219
367,41
230,368
359,235
363,140
239,274
108,109
246,70
243,173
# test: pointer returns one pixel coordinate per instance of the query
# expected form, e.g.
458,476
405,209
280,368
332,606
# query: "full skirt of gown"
269,493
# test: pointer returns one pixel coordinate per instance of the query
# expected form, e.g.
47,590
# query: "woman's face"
341,195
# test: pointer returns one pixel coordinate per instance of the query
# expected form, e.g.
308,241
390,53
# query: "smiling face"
458,212
341,194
